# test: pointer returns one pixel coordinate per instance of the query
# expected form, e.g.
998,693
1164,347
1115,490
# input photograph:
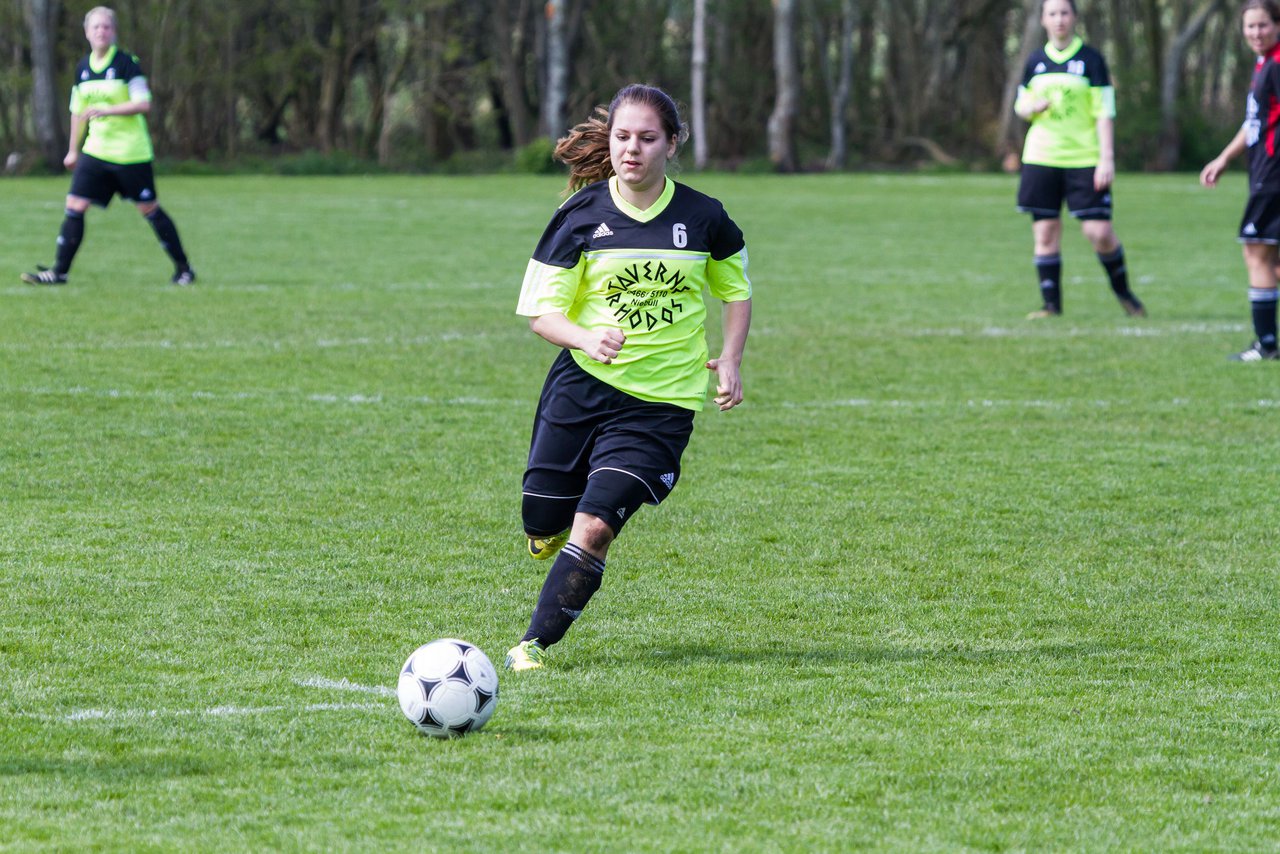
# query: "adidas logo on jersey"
1251,229
602,231
1040,68
669,479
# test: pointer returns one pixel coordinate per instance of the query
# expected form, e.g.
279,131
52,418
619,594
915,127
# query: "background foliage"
414,84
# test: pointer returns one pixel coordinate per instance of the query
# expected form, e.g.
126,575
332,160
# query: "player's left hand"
728,383
1103,175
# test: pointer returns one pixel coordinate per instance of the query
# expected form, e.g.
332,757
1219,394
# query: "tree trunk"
1170,146
782,145
1007,138
46,107
510,53
698,84
842,91
557,87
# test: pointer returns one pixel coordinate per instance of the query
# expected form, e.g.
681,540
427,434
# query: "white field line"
212,712
239,711
345,685
491,403
452,336
345,399
1042,331
272,344
1048,405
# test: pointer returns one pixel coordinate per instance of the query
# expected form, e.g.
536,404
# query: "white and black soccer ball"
448,688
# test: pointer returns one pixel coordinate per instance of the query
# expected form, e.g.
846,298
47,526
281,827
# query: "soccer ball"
448,688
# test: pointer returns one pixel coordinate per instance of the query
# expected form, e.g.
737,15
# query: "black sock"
570,584
1117,272
1049,274
1263,303
68,241
168,234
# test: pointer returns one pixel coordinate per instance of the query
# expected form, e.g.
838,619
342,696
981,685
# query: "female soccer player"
1260,227
110,100
1069,155
616,282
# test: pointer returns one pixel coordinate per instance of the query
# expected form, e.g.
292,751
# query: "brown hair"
1269,6
585,150
1071,3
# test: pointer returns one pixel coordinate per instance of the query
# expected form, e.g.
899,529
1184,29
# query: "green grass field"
949,580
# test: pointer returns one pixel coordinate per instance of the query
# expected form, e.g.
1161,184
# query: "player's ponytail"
586,149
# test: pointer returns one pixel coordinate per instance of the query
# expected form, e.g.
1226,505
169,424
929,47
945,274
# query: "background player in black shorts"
1069,155
109,103
1260,227
617,281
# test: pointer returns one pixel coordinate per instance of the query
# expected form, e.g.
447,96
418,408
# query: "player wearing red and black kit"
1261,221
1259,137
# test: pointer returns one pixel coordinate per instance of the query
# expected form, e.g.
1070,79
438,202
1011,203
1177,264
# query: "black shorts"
1261,220
1043,189
584,427
99,181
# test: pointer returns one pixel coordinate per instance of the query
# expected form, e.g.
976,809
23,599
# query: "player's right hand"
603,345
1211,172
70,160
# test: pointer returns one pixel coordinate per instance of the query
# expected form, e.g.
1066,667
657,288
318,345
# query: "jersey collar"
106,62
634,212
1061,56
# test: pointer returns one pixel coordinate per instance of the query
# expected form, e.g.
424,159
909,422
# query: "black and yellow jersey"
604,263
118,79
1077,84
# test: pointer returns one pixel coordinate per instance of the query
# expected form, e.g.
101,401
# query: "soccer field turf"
948,580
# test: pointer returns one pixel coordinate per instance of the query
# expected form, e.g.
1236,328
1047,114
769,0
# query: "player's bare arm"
602,345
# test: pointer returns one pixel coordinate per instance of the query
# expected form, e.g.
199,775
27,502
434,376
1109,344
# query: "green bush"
317,163
537,158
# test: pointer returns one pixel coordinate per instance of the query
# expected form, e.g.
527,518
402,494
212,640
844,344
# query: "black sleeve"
726,237
559,246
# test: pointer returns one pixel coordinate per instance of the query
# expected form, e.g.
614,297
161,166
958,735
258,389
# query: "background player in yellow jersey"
1069,155
617,282
109,103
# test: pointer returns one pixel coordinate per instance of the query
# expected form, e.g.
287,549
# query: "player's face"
638,147
1260,31
1059,20
100,30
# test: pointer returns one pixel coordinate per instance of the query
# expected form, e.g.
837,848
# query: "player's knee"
593,533
545,516
613,497
147,208
77,204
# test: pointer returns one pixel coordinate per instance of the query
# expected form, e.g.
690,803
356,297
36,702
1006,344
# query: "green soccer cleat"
526,655
541,548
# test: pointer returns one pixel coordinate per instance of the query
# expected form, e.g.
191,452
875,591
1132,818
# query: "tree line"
785,85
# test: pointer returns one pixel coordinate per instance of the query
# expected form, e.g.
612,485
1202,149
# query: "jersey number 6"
678,236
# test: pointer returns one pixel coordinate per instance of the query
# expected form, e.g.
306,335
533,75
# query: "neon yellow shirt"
1077,84
604,263
117,80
